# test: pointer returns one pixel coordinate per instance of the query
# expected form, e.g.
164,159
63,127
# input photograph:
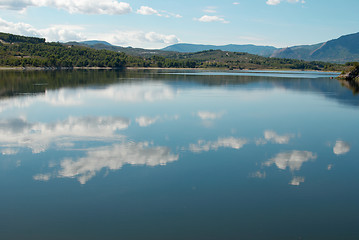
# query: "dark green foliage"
10,38
234,60
35,52
58,55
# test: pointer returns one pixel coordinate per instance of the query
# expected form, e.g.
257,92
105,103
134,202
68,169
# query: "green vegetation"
19,51
26,54
235,60
350,76
10,38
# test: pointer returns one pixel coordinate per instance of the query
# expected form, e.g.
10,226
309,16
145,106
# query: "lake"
178,154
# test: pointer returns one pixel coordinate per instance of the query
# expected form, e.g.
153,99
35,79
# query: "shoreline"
149,68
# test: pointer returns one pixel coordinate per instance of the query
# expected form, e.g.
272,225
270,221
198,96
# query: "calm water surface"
178,155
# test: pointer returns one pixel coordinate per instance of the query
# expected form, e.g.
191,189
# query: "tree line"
19,51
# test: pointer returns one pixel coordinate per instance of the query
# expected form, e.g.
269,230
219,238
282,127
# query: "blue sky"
159,23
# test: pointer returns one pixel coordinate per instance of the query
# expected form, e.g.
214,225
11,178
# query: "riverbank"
151,68
350,78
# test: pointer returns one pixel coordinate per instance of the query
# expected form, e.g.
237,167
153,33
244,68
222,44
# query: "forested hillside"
20,51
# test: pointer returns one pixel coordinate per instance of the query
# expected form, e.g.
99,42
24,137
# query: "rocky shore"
350,78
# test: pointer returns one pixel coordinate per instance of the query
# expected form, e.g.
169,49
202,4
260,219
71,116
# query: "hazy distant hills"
95,42
341,50
265,51
103,45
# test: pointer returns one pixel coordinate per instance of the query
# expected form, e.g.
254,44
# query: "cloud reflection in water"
19,132
229,142
341,147
112,158
292,160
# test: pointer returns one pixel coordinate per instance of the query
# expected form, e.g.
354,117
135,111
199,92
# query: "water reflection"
292,160
20,133
296,181
145,121
272,136
17,82
113,158
341,147
206,115
229,142
9,151
80,97
151,94
259,174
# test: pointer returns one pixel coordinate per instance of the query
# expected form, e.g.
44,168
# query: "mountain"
102,45
340,50
94,42
252,49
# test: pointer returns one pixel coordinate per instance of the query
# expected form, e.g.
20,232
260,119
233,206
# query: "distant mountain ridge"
340,50
103,45
265,51
94,42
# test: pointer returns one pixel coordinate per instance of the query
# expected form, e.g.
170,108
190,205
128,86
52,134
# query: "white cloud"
111,7
139,38
276,2
62,33
230,142
144,121
236,3
341,147
113,158
16,133
292,160
273,2
210,9
169,14
144,10
205,115
18,28
296,181
207,18
65,33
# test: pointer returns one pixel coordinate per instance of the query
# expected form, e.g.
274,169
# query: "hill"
252,49
237,60
20,51
94,42
102,45
340,50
